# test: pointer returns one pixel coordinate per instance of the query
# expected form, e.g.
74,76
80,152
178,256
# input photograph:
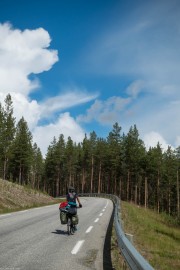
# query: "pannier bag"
75,220
63,217
63,204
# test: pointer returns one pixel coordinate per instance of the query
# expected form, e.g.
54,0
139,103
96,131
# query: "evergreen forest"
119,164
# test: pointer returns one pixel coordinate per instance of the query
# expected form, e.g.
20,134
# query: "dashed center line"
89,229
81,242
77,247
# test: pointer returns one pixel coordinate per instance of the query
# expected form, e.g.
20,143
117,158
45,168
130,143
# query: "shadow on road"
60,232
107,263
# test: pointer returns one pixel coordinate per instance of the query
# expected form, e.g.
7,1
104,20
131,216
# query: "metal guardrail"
133,258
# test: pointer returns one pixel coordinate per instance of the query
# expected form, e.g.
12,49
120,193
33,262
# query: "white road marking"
97,219
23,211
104,210
106,204
77,247
100,214
89,229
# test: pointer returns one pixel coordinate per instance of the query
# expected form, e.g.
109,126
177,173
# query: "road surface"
35,240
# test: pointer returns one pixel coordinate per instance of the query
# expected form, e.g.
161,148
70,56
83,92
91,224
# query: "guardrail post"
129,237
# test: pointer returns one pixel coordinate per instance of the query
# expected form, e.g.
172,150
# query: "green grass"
155,236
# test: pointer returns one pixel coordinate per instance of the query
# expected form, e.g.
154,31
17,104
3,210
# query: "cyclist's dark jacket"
71,198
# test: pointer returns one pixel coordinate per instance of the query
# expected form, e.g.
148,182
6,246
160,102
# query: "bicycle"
68,215
72,219
71,227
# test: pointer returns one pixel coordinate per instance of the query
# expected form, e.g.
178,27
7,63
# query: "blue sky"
77,66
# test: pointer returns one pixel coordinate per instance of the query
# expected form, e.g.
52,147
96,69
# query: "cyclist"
72,197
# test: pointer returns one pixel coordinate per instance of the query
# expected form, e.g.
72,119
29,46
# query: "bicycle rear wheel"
72,229
69,226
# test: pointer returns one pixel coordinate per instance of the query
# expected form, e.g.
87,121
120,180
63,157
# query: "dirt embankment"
16,197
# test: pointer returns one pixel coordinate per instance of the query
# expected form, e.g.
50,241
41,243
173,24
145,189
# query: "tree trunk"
128,185
20,175
99,180
92,172
178,205
158,202
57,184
135,194
120,186
146,193
83,180
169,199
115,186
4,168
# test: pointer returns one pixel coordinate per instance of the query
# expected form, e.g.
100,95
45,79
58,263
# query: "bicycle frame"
70,226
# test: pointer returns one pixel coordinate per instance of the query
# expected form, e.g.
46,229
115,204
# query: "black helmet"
71,189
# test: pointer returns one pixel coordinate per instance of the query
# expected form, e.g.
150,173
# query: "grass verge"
156,237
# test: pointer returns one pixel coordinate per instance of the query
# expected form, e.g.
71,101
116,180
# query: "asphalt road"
35,240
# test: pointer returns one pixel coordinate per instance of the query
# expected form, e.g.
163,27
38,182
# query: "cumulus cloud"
27,52
21,54
153,138
65,124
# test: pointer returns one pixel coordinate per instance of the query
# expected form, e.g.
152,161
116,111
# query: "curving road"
35,240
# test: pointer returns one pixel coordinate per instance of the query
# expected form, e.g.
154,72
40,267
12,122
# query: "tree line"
119,164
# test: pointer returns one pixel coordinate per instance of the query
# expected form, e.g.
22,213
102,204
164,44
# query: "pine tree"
50,169
59,156
85,163
22,153
37,168
2,127
155,157
114,141
169,182
7,133
177,180
92,147
134,150
102,166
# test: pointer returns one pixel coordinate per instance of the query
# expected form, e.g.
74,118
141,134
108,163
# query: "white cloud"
105,112
21,54
142,46
26,52
72,97
177,143
151,140
66,125
112,109
135,88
